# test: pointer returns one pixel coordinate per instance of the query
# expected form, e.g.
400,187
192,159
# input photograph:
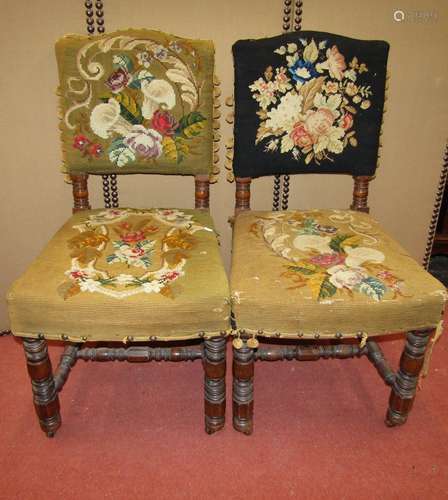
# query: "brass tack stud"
41,336
316,336
153,337
201,334
84,338
300,335
64,337
130,338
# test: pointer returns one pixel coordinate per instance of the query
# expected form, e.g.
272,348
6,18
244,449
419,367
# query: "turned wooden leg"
45,397
243,389
215,383
405,385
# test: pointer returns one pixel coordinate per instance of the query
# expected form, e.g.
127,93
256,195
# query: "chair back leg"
45,396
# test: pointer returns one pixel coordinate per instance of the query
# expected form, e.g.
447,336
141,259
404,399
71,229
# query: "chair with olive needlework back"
131,102
312,102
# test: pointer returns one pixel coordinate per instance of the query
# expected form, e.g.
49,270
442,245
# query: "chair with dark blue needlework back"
324,282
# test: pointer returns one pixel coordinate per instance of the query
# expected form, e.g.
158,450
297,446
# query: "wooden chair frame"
46,385
403,383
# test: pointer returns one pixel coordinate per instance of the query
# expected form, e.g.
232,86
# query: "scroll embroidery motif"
114,238
307,108
138,116
329,259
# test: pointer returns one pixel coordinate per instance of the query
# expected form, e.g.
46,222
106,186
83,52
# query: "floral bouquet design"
135,100
328,260
308,107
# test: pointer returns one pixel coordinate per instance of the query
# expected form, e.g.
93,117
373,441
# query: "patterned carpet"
136,431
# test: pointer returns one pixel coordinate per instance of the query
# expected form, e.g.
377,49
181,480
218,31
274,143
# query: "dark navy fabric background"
252,57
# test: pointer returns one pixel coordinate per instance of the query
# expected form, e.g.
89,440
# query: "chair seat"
125,274
327,273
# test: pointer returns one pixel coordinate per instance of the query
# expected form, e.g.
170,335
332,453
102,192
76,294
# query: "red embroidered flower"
118,80
171,275
78,275
328,259
133,237
137,252
346,121
95,150
80,142
164,122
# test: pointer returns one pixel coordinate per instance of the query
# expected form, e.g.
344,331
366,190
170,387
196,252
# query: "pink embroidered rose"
144,142
331,87
328,259
336,63
133,237
118,80
80,142
319,122
346,121
137,252
301,137
164,122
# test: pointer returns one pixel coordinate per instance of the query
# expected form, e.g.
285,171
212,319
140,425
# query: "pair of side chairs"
325,282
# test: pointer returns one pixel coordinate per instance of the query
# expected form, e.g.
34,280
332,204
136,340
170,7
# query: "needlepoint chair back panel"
136,101
308,102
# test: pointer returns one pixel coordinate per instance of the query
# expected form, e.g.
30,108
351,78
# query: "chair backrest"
308,102
136,101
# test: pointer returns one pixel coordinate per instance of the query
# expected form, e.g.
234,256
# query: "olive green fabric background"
87,63
263,299
199,304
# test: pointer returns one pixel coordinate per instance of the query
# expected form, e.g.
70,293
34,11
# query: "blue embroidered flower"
302,71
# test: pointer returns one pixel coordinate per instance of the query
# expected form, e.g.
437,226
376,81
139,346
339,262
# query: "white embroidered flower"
281,81
272,145
266,92
331,102
348,277
330,141
157,94
88,285
286,114
144,59
145,142
153,286
106,119
160,53
306,242
359,255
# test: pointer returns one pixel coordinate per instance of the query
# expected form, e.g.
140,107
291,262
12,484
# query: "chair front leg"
214,383
405,386
45,397
243,389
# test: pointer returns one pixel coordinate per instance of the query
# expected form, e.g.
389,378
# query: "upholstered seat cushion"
119,273
327,273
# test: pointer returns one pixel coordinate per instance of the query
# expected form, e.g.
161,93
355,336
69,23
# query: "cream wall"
35,202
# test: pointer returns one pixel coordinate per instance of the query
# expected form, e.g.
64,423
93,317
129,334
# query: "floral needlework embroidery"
307,107
124,252
332,256
145,108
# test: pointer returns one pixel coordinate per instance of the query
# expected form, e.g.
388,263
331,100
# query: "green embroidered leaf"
139,77
174,148
372,287
123,61
120,154
337,241
129,108
303,270
192,124
327,289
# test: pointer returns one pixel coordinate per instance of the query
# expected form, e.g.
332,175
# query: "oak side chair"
312,102
131,102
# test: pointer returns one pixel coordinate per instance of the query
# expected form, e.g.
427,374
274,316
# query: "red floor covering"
136,431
